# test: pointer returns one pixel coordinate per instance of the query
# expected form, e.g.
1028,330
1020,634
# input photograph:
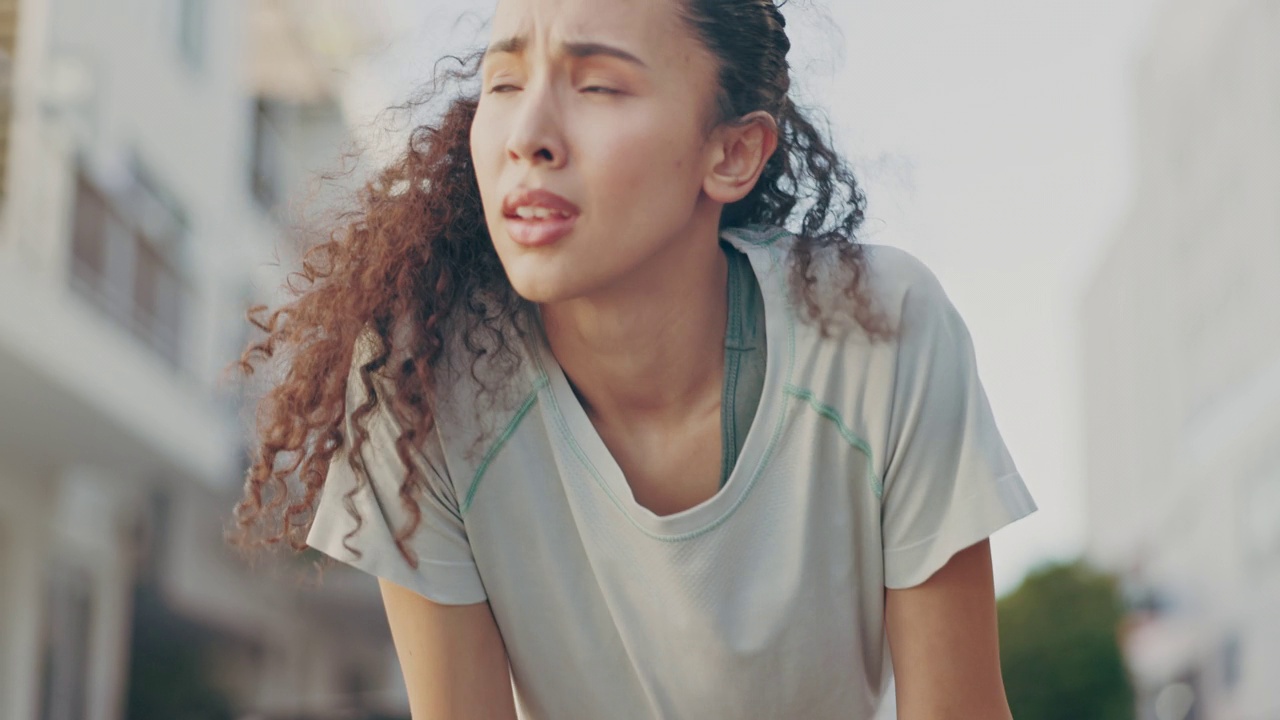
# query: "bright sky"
993,139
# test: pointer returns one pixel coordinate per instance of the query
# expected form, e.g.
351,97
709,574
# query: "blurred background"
1096,184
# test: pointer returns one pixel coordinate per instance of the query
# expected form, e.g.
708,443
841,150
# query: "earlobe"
745,148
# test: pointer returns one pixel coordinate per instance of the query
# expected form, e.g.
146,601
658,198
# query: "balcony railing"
127,272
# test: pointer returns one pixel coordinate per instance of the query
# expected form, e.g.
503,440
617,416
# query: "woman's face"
604,104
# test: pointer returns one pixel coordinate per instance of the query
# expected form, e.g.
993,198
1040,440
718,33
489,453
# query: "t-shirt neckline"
570,418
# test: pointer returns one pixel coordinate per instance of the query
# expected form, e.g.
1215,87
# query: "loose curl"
413,265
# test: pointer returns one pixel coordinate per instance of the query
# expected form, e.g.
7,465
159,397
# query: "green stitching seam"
510,429
757,231
831,414
775,238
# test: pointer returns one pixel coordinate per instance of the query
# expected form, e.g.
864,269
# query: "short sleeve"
949,480
446,571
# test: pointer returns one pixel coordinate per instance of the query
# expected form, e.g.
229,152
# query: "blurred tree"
1058,646
170,675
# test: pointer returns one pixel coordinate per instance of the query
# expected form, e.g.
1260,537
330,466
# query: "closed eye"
599,90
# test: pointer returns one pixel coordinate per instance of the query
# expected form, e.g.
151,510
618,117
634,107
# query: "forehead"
650,26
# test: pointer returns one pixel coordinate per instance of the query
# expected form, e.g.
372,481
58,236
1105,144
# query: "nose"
537,134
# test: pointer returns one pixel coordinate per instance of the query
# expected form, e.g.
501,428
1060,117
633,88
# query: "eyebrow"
516,46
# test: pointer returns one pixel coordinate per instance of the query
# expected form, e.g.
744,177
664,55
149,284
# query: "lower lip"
539,233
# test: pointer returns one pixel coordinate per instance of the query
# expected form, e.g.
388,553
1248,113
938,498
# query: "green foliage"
170,668
1058,647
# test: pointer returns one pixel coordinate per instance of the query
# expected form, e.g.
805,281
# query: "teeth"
538,213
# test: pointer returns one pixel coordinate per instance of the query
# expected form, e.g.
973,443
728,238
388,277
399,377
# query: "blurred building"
1182,362
148,155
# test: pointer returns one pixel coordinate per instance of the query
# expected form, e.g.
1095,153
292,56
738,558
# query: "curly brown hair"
413,266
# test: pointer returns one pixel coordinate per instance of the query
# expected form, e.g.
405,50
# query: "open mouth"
539,229
538,213
537,217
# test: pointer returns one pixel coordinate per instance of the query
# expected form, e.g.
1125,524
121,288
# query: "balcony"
124,261
99,361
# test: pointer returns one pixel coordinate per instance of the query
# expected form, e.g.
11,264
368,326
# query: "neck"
651,347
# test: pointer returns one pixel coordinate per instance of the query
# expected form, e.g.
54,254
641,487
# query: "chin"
537,295
540,288
544,279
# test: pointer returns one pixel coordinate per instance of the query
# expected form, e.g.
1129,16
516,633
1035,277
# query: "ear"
740,151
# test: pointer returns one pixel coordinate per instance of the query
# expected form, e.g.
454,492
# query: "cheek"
486,154
648,156
485,142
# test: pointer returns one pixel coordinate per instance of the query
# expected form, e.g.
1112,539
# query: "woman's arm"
453,660
943,639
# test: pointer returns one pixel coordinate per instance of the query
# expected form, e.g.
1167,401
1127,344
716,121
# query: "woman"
614,437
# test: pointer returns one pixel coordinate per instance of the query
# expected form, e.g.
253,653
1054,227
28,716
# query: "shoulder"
900,283
926,326
476,382
485,379
894,264
898,287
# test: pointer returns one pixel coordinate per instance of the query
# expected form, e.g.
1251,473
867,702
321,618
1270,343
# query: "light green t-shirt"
868,464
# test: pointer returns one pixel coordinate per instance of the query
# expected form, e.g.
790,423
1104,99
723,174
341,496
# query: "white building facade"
1182,362
145,158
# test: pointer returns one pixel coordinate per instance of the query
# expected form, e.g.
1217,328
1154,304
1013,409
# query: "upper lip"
528,197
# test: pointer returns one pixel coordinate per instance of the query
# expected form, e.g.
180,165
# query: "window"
266,163
126,258
66,644
192,16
